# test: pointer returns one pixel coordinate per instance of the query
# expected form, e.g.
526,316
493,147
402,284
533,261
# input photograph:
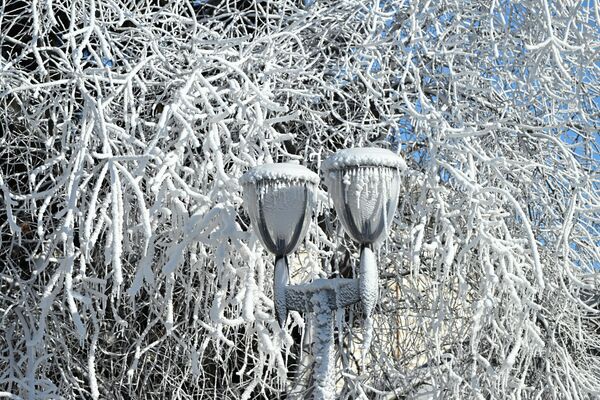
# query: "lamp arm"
281,279
369,292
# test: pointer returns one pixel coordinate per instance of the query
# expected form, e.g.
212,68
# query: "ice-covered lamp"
364,184
279,199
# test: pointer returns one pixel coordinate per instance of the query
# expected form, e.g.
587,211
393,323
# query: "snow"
363,157
323,348
341,292
280,171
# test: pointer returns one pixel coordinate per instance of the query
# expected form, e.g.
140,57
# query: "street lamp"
279,198
364,184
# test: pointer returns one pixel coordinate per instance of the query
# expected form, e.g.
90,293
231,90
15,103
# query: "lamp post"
279,198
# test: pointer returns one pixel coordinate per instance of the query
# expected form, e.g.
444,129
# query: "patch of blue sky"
571,137
585,101
509,87
375,66
446,18
418,106
86,56
432,32
402,136
591,106
590,4
470,23
427,79
577,145
582,254
511,14
387,26
444,174
402,40
592,15
518,219
420,155
531,78
443,69
576,249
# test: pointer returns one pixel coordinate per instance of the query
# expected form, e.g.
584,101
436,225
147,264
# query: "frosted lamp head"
279,199
364,184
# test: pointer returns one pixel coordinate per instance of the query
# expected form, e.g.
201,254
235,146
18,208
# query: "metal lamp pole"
279,198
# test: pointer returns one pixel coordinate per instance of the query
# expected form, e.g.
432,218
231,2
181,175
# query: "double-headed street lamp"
364,184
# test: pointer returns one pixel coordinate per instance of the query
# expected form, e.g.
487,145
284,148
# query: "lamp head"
279,199
364,184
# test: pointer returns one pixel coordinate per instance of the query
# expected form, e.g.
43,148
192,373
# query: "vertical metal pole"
323,298
323,347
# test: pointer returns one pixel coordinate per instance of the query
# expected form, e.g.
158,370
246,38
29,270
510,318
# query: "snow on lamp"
279,199
364,185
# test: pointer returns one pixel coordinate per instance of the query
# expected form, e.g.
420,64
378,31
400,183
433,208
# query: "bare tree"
128,268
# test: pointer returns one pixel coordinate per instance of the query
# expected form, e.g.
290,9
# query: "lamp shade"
364,184
279,199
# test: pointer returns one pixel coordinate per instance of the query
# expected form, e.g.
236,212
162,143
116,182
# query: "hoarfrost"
363,157
279,171
127,265
369,292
